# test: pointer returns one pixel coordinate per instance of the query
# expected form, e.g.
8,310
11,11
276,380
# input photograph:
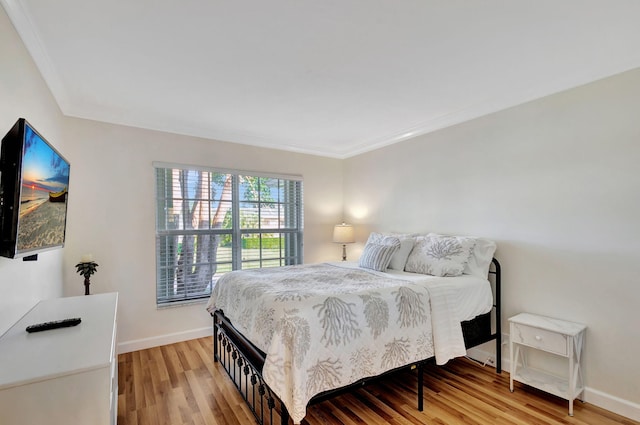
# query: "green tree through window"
210,222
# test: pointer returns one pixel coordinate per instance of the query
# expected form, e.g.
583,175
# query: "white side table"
559,337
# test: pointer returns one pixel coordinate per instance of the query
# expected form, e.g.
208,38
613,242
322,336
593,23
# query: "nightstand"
558,337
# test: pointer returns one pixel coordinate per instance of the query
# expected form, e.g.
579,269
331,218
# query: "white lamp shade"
343,233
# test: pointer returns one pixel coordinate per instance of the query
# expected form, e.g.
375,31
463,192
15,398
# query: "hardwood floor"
179,384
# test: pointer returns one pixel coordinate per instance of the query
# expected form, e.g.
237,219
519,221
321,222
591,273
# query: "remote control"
45,326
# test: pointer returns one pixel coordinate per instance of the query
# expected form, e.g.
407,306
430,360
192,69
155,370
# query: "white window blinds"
209,222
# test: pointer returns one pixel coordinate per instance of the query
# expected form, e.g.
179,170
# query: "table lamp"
344,234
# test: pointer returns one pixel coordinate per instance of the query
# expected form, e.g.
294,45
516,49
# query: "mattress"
469,295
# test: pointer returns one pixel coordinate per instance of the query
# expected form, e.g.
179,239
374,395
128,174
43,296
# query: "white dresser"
555,336
62,376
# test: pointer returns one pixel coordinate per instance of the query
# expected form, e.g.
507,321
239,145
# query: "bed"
292,336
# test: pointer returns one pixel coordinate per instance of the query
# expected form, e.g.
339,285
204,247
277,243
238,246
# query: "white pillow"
376,256
399,259
440,255
481,257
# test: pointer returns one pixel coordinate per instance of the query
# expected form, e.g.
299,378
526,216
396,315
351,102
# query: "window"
209,222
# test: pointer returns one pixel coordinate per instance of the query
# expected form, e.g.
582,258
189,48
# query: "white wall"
113,216
111,205
23,93
555,182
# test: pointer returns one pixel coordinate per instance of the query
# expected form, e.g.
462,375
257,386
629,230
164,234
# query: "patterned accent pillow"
481,257
399,259
440,255
376,256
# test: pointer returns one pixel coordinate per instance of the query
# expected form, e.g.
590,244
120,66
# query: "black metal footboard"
243,361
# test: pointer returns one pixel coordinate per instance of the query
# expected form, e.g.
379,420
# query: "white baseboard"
606,401
156,341
612,403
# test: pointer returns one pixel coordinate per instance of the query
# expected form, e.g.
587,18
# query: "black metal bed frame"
243,361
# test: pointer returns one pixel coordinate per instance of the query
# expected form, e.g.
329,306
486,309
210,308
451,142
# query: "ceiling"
326,77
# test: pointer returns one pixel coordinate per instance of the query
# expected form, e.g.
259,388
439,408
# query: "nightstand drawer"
539,338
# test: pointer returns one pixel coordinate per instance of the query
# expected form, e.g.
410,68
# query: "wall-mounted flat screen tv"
34,184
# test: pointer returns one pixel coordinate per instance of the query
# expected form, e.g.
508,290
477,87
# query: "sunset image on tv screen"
43,198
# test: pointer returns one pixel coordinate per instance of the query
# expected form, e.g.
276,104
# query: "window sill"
177,304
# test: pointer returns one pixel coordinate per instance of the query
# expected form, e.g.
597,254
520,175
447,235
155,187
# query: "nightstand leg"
572,381
512,368
516,355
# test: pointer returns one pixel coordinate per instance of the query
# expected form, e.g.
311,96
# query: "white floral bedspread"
323,326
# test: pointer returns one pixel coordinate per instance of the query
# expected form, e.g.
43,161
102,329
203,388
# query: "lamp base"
344,252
